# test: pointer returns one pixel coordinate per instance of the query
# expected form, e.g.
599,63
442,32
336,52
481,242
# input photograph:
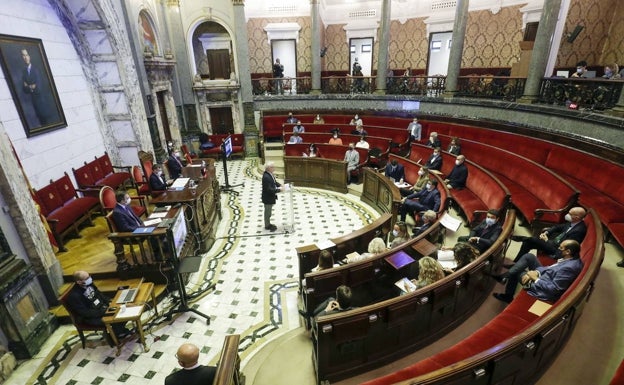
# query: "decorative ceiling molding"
361,28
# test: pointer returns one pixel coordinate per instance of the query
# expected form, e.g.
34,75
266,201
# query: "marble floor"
255,296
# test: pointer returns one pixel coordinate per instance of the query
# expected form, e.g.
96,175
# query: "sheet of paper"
539,307
446,255
180,182
131,311
448,264
326,244
450,222
152,222
403,283
158,215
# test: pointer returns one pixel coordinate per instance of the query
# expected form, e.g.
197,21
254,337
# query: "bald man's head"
187,355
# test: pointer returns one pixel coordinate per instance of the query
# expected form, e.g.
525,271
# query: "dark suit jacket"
576,233
397,174
457,177
429,199
434,164
157,183
201,375
269,188
487,235
125,220
434,144
89,310
175,167
555,279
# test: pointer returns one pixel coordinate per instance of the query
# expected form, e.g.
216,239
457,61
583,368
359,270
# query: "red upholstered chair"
80,327
189,160
108,202
147,163
140,182
186,151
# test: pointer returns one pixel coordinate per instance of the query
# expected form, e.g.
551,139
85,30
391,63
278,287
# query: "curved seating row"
398,136
542,196
517,345
483,190
354,341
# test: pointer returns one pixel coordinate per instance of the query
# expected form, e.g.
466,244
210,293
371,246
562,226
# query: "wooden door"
219,63
221,120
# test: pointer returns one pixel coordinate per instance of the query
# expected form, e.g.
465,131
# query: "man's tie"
136,219
560,237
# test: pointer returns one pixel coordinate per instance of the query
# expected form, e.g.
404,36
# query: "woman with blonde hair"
375,246
400,234
429,271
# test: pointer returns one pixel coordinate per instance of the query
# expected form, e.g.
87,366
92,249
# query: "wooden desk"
322,173
146,290
202,207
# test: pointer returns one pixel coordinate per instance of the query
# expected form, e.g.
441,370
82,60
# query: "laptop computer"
128,295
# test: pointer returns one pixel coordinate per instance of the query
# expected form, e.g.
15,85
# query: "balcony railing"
491,87
416,85
598,94
281,86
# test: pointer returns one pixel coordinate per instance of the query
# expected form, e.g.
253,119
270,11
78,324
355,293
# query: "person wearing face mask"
89,304
362,143
356,121
157,180
298,128
428,219
546,283
435,160
414,128
174,164
395,170
352,157
549,240
434,141
318,120
423,178
581,69
125,219
400,234
611,71
426,199
335,139
457,178
485,233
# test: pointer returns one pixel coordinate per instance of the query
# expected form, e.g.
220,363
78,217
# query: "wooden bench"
398,136
516,346
100,172
358,340
64,209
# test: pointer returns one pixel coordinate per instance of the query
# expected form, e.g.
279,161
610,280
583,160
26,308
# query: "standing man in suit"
486,232
352,157
549,240
192,372
426,199
278,74
544,283
457,178
414,130
174,164
270,188
156,180
435,160
125,219
395,170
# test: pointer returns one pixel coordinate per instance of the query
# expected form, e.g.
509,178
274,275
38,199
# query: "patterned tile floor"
255,273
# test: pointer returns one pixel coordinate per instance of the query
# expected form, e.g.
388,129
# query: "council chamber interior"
95,93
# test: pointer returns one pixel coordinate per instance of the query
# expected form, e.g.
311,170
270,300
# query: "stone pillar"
316,48
455,57
384,43
541,48
242,51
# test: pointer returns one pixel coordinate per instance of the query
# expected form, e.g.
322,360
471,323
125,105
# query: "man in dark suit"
549,240
426,199
485,233
125,219
434,141
435,161
192,373
544,283
174,164
270,188
156,180
395,170
457,178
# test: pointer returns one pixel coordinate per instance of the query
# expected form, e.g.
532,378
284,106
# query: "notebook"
143,230
128,295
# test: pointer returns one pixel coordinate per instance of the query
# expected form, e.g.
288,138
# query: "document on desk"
152,222
450,222
158,215
326,244
131,311
180,183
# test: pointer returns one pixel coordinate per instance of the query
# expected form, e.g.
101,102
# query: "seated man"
125,219
549,240
295,138
156,180
331,305
426,199
429,217
435,160
485,233
192,373
359,130
298,128
90,304
457,178
544,283
395,170
174,164
291,119
362,143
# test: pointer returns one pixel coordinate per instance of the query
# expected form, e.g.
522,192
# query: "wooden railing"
228,368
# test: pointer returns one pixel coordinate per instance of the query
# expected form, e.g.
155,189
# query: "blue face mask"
88,281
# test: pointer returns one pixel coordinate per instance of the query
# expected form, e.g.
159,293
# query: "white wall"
48,155
438,60
364,58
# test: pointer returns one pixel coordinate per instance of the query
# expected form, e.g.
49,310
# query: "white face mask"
568,217
177,154
429,185
490,221
395,233
159,173
421,172
335,136
435,154
88,281
458,162
579,70
128,201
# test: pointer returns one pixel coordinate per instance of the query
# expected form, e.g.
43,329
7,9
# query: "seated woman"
325,261
312,151
335,139
205,142
375,246
463,254
318,120
454,147
429,271
423,178
400,234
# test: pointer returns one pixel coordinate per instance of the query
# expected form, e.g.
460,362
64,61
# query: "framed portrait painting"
27,73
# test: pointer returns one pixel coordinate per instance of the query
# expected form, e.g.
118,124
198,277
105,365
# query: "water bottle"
203,169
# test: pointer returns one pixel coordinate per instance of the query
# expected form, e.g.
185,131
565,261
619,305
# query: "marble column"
455,57
541,48
384,43
316,47
242,52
